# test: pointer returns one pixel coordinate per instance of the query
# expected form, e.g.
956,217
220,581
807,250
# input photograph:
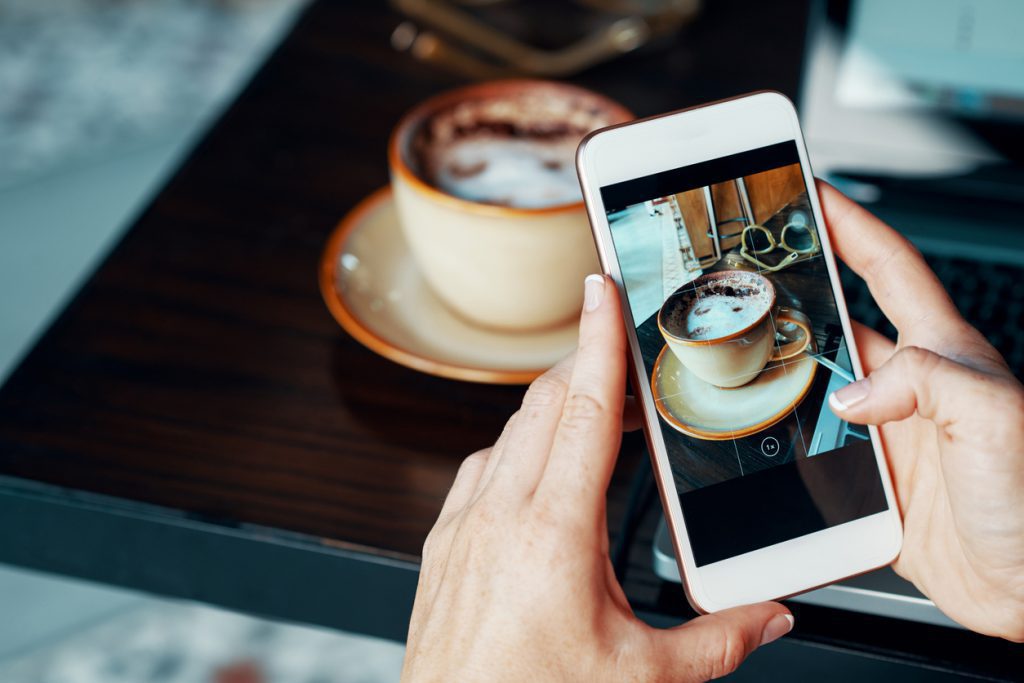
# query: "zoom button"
770,446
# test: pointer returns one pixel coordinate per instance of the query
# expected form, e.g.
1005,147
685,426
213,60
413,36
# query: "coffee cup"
485,186
722,326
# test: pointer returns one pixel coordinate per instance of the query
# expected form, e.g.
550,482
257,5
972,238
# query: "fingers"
874,347
496,454
465,485
589,430
525,450
521,454
979,410
902,284
913,380
714,645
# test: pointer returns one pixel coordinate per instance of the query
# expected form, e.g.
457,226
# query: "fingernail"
780,625
850,395
593,292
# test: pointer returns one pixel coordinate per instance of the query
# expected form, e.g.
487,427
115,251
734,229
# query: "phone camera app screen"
742,344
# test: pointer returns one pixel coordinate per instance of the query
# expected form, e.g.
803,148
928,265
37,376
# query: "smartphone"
708,221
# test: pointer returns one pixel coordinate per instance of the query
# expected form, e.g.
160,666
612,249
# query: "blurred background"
100,100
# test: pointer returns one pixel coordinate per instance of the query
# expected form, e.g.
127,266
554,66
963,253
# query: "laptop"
916,110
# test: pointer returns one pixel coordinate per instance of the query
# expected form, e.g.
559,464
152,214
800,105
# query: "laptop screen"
963,57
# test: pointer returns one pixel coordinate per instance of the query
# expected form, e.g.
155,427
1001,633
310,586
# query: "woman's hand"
516,584
952,422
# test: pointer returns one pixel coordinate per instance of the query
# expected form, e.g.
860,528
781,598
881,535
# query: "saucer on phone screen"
704,411
373,289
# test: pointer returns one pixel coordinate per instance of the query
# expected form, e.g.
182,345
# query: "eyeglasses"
797,238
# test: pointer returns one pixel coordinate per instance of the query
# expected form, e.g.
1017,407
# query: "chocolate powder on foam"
676,321
539,116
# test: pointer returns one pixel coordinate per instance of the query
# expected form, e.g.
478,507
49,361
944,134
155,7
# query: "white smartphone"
708,221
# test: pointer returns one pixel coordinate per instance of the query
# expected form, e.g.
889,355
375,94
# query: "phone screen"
742,344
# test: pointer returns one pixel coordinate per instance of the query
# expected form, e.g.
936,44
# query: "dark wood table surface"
196,424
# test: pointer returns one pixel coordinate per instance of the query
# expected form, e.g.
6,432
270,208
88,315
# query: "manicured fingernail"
850,395
593,292
780,625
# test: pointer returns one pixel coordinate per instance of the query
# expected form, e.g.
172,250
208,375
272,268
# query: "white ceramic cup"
736,357
497,266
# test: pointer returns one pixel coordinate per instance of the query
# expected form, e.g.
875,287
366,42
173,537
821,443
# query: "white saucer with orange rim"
371,285
701,410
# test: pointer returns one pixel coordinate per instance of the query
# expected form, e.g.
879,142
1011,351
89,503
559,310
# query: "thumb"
716,644
912,380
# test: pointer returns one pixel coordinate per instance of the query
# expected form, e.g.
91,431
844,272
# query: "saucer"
373,289
704,411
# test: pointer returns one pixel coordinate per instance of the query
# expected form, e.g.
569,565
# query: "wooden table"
195,423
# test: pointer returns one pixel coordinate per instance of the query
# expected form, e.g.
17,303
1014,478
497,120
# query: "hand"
516,584
952,424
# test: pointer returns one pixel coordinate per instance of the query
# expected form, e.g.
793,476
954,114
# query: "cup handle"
796,347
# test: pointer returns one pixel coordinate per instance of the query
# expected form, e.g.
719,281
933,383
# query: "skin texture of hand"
951,418
516,584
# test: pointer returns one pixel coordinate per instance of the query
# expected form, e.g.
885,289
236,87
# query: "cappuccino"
512,150
719,327
718,309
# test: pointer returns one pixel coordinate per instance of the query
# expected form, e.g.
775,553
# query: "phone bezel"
681,138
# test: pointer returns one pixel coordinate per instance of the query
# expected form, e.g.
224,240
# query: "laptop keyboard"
990,296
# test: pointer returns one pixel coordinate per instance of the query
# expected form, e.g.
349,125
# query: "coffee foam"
717,316
512,151
718,309
513,172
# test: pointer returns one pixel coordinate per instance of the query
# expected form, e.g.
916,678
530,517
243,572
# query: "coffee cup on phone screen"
722,327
